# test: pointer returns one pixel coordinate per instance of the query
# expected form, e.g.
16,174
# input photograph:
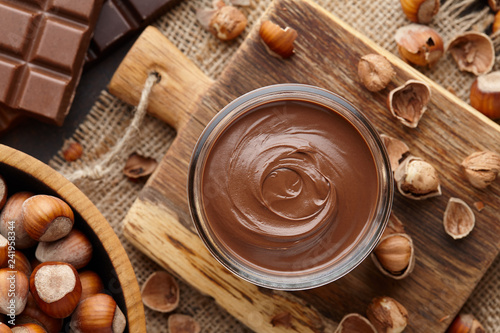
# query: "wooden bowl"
110,261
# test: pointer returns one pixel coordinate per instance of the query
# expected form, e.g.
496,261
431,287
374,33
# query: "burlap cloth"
114,194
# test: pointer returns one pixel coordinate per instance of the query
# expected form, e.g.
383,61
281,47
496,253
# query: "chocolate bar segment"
121,18
42,49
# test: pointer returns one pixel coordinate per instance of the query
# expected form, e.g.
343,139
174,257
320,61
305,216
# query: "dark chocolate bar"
121,18
42,48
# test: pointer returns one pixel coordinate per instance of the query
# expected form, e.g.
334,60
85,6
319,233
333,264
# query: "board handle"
181,83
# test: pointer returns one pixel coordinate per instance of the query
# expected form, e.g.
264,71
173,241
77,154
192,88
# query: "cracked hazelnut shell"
408,102
387,315
419,44
485,94
417,179
375,72
481,168
160,292
420,11
355,323
459,219
473,52
396,149
394,255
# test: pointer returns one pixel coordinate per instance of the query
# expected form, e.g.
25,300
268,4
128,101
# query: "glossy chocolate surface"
289,186
42,49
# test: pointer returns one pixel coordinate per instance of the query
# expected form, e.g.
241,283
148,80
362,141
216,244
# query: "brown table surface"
43,141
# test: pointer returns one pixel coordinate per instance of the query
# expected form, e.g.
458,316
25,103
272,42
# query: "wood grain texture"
11,159
327,53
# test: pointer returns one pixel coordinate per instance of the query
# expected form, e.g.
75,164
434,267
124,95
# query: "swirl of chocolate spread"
289,186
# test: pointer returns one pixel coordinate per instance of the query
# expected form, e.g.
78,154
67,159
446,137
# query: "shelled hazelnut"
394,255
278,41
375,72
481,168
73,151
417,179
226,22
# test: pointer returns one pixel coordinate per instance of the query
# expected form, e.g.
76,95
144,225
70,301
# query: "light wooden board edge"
189,258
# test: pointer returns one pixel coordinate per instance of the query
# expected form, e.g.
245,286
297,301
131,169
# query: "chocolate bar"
42,50
121,18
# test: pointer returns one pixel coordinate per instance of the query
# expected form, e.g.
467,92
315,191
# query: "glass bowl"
290,187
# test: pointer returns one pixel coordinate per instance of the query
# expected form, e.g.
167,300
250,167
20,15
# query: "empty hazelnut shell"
485,94
458,218
419,44
160,292
355,323
180,323
481,168
420,11
408,102
473,52
417,179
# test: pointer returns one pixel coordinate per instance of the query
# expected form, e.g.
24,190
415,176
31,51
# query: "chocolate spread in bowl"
289,187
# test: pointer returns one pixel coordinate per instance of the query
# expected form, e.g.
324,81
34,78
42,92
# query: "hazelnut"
355,323
91,284
473,52
4,251
278,41
481,168
98,313
138,166
485,94
47,218
224,22
28,328
3,192
420,11
417,179
375,72
56,288
387,315
33,314
14,288
496,23
408,102
396,149
21,263
179,323
4,328
394,255
11,218
73,151
419,44
160,292
494,4
465,323
74,249
458,218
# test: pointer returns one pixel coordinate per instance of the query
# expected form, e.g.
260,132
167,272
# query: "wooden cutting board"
327,53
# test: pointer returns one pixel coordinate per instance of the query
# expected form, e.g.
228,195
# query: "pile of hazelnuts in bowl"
49,281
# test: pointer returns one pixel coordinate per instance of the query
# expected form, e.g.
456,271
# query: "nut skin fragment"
375,72
160,292
420,11
419,44
485,94
355,323
481,168
396,149
408,102
458,218
473,52
387,315
278,41
417,179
